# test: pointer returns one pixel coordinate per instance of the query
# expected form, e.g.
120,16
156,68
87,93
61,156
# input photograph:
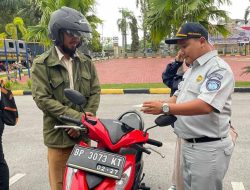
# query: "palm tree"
144,5
246,70
247,12
123,25
134,33
31,12
40,31
166,16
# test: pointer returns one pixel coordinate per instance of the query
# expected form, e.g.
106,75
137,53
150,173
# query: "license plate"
97,161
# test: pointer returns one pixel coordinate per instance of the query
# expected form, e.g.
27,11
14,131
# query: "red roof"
245,27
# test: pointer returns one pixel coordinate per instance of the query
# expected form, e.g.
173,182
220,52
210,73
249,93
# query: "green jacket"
49,94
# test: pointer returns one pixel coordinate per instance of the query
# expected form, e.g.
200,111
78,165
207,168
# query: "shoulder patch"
213,84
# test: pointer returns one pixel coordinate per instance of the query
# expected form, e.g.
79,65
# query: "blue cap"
187,31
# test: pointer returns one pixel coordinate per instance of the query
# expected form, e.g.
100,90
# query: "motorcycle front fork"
138,185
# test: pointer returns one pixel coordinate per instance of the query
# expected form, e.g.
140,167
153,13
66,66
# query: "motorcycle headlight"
121,184
69,178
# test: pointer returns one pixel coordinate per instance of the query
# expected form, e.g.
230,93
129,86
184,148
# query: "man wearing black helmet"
63,66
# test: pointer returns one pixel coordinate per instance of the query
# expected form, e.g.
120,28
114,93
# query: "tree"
16,29
166,16
9,9
95,44
31,12
247,12
123,25
11,3
144,5
40,32
134,32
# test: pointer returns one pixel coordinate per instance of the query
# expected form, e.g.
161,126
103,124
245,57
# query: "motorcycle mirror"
75,96
165,120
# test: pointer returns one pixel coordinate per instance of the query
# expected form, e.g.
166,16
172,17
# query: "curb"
242,89
134,91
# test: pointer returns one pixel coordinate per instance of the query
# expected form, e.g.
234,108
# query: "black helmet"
66,18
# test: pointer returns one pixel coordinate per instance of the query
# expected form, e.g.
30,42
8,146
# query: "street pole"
144,29
245,44
6,60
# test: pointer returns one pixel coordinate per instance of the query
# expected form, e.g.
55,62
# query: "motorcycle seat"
116,129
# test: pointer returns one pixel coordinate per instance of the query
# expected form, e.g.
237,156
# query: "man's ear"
202,40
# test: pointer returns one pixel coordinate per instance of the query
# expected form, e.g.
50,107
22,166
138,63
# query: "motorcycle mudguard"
79,181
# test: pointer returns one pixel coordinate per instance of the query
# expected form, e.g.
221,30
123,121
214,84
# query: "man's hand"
73,133
89,114
180,56
152,107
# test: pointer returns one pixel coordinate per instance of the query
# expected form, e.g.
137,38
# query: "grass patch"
242,84
18,86
133,85
26,86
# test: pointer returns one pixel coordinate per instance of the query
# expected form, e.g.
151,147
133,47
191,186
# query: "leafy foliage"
144,6
9,9
166,16
247,12
134,33
16,29
246,70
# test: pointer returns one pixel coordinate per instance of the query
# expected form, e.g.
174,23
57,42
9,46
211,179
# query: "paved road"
26,154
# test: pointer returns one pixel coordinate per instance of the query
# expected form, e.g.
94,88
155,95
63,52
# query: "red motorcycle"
116,162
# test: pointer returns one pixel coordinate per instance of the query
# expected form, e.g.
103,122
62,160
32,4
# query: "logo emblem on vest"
213,85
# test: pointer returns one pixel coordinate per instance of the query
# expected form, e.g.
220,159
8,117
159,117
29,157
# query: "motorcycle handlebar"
154,142
71,120
141,148
67,127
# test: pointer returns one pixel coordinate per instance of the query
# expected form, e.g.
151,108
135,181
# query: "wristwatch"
165,108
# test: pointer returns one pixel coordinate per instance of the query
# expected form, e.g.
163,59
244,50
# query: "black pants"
4,170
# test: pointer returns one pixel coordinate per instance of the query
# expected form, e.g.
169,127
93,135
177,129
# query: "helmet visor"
74,33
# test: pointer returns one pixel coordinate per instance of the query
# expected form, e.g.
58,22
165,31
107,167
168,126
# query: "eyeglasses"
74,33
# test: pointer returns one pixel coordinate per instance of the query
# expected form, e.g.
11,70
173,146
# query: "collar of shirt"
60,54
205,58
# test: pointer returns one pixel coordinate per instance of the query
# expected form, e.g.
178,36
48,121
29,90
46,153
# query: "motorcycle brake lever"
140,148
150,148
